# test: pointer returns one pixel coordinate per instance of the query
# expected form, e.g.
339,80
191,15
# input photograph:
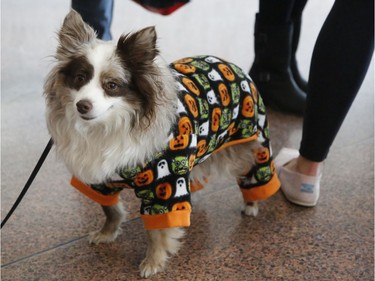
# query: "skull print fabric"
218,106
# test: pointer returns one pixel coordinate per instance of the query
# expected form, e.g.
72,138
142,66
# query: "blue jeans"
98,14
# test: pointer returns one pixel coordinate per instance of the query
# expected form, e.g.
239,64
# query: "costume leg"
262,181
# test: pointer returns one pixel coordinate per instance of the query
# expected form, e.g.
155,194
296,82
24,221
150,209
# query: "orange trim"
167,220
253,137
104,200
262,192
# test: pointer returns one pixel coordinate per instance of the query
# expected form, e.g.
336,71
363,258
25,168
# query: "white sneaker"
298,188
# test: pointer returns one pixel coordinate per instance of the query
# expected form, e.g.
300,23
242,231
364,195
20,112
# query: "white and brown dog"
118,109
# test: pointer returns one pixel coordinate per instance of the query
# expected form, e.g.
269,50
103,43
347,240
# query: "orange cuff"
104,200
179,218
262,192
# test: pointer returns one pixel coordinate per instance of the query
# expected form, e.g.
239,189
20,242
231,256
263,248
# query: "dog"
117,109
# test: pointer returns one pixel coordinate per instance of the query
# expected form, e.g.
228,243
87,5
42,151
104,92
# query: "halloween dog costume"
218,106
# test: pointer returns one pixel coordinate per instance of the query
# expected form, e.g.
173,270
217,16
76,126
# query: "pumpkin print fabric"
218,106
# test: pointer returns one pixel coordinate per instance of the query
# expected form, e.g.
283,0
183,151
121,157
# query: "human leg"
340,61
98,14
271,69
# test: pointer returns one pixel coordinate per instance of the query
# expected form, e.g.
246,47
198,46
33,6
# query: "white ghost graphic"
203,129
193,142
181,87
163,169
212,60
181,187
180,107
211,97
235,112
261,120
214,75
245,86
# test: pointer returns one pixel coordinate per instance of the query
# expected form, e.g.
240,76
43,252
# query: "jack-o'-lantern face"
144,178
179,142
164,191
191,161
202,147
227,72
254,91
184,68
248,107
184,60
232,129
262,155
216,115
192,104
184,126
191,86
182,206
224,94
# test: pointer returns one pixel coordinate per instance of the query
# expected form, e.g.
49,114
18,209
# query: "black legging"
340,61
341,57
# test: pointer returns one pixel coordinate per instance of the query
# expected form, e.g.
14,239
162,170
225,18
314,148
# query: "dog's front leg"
161,244
114,216
251,209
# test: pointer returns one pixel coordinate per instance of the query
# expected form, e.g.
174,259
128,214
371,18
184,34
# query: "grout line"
54,247
43,251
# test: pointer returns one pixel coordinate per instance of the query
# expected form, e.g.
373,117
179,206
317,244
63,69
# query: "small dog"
118,109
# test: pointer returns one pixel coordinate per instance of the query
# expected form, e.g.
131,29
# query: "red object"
163,7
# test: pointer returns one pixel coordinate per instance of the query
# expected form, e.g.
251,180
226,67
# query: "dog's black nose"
84,106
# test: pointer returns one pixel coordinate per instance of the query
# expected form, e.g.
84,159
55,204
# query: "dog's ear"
138,49
73,34
137,52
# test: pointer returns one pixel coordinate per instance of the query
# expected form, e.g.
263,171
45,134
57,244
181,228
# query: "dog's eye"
111,86
79,78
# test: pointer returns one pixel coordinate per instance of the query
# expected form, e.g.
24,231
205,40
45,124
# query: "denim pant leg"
98,14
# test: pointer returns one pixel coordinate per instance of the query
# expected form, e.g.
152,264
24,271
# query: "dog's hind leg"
161,244
251,209
112,226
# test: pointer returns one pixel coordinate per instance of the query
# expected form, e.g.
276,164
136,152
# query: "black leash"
29,181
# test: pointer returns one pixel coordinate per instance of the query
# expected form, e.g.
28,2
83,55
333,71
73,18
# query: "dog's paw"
98,237
150,267
251,209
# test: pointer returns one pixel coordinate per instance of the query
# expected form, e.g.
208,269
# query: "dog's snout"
84,106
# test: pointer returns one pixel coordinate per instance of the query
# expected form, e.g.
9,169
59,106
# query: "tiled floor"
46,239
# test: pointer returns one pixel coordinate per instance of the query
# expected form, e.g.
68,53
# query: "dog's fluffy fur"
111,106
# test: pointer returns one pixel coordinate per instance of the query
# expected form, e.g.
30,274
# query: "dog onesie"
218,106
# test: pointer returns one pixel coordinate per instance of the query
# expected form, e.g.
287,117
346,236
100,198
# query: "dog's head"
96,81
109,104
